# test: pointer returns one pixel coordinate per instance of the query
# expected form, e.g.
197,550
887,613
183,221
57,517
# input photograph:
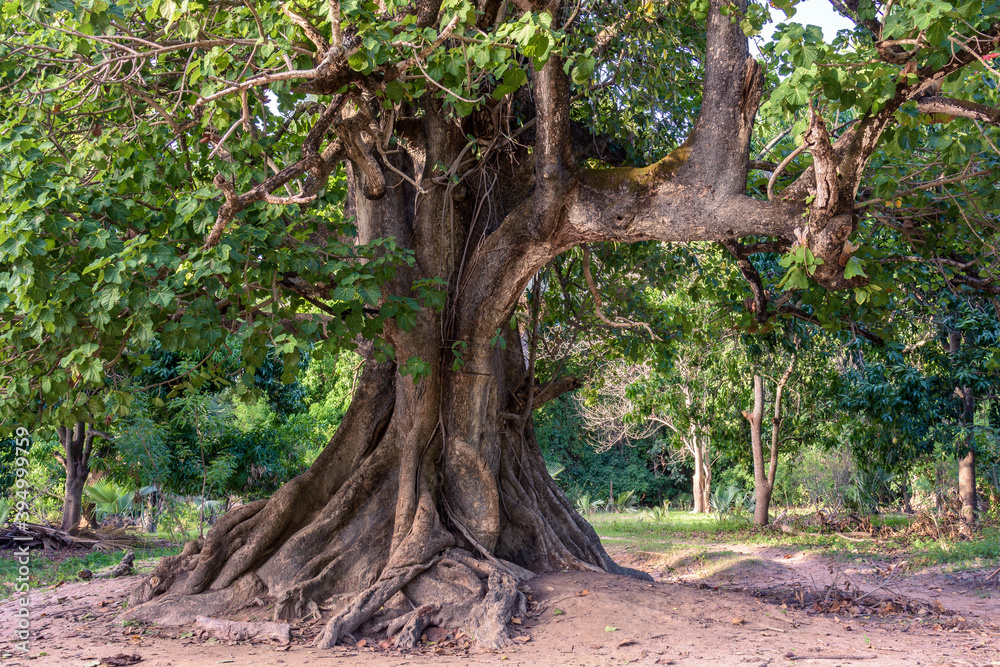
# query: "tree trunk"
762,489
706,463
967,469
764,479
76,451
967,459
701,483
432,494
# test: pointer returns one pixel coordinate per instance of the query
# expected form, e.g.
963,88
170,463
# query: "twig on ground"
877,588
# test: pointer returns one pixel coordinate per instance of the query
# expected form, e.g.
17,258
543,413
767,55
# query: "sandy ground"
710,607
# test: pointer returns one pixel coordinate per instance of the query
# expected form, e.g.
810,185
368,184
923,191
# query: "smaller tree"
77,442
764,479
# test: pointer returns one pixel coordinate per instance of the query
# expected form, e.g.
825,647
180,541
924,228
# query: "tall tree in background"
446,130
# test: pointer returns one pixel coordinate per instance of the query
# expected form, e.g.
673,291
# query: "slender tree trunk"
701,484
762,490
73,502
967,469
706,463
76,451
764,477
697,482
907,497
967,461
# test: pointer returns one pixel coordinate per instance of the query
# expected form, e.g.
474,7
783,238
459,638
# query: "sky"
811,12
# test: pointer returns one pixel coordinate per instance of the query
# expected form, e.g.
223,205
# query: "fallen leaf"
610,628
584,592
515,620
557,612
361,643
738,621
627,642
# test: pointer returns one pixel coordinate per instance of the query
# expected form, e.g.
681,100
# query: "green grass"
47,570
683,531
689,527
980,552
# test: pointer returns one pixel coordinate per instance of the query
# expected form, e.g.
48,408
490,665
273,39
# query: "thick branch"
720,142
311,160
550,390
553,144
960,108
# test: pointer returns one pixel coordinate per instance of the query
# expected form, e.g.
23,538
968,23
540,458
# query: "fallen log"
37,536
123,569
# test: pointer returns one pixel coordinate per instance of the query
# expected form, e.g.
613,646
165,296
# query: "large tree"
150,187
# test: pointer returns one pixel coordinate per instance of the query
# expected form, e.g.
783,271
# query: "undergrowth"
47,569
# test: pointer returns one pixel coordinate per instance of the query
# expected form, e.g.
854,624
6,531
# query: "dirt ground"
734,605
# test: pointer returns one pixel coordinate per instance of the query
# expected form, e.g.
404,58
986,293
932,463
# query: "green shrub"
727,501
109,498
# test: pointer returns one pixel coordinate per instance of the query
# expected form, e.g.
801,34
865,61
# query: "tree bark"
762,489
701,483
76,443
967,459
698,505
967,469
764,477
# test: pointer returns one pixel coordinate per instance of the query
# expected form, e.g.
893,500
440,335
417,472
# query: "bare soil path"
722,609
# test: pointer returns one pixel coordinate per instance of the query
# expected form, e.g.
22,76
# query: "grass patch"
983,551
688,527
682,530
50,569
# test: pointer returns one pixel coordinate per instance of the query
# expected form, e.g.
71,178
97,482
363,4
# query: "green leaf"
854,268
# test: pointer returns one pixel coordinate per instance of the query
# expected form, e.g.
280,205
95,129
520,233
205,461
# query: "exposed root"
489,621
408,627
237,631
123,569
366,603
452,590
